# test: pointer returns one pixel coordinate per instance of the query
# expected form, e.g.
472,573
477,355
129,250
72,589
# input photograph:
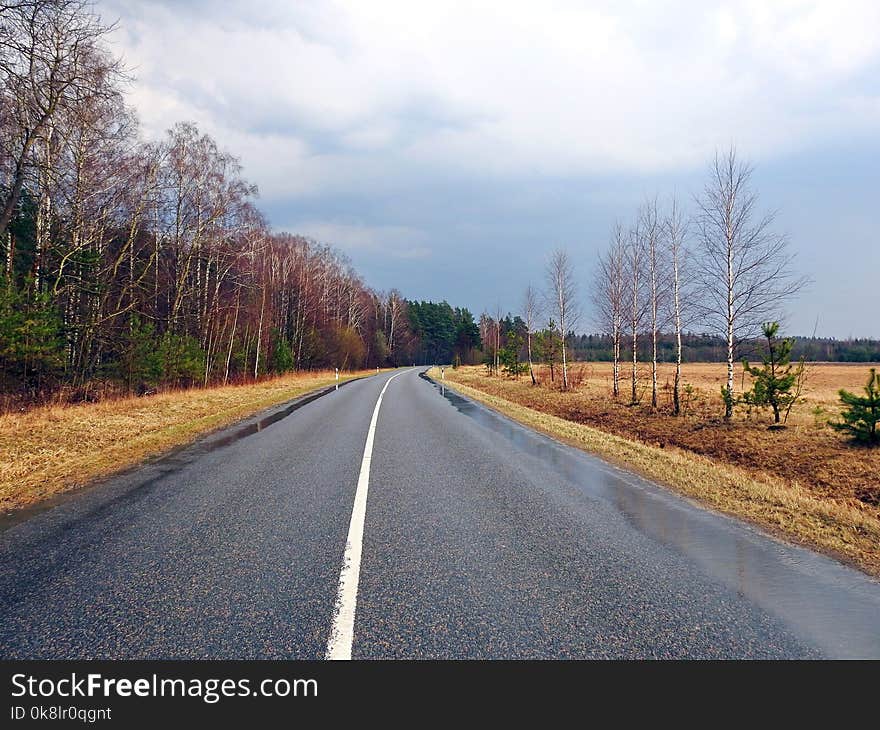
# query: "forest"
132,264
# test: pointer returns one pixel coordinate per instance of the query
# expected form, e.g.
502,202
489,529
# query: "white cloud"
325,97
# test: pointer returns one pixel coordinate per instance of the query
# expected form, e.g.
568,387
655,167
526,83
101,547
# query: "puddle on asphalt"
825,603
251,429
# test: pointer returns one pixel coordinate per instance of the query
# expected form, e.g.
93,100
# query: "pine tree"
183,361
282,356
862,412
31,346
548,343
775,380
140,360
509,355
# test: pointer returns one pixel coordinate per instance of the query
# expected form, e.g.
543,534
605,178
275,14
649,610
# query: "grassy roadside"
52,449
850,532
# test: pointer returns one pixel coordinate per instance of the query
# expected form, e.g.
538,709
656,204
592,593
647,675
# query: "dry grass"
55,448
823,380
804,483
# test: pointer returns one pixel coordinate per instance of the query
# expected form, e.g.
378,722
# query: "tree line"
148,262
713,348
443,334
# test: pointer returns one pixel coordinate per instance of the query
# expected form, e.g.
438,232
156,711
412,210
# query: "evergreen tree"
140,362
467,335
549,345
281,360
862,412
31,347
775,381
509,354
183,360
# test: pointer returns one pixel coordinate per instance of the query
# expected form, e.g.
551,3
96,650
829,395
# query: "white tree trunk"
676,388
728,406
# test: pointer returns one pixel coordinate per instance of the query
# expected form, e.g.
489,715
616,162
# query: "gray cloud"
495,131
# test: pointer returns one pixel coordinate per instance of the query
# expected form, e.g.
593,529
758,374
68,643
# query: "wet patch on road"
827,604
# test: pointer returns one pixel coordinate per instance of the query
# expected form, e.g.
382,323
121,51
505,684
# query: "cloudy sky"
448,147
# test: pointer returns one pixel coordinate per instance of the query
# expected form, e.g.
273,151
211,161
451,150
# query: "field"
823,490
823,381
55,448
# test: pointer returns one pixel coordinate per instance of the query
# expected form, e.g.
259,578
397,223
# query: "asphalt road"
481,539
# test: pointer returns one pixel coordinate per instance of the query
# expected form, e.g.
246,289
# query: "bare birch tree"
149,263
650,230
562,297
499,315
676,231
395,313
635,264
486,327
530,315
609,297
48,57
745,268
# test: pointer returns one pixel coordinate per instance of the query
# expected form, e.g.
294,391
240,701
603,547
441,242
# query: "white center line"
342,628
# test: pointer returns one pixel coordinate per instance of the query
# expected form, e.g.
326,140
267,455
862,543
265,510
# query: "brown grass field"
806,482
56,448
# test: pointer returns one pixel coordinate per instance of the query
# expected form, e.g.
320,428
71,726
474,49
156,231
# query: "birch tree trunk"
530,306
745,269
232,339
259,335
563,295
634,252
649,227
609,298
676,287
676,231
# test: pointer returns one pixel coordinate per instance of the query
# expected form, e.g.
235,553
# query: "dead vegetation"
805,481
56,448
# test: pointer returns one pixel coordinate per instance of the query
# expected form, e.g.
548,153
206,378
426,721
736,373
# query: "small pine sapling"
862,413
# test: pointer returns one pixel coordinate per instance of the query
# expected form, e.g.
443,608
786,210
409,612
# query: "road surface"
449,532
